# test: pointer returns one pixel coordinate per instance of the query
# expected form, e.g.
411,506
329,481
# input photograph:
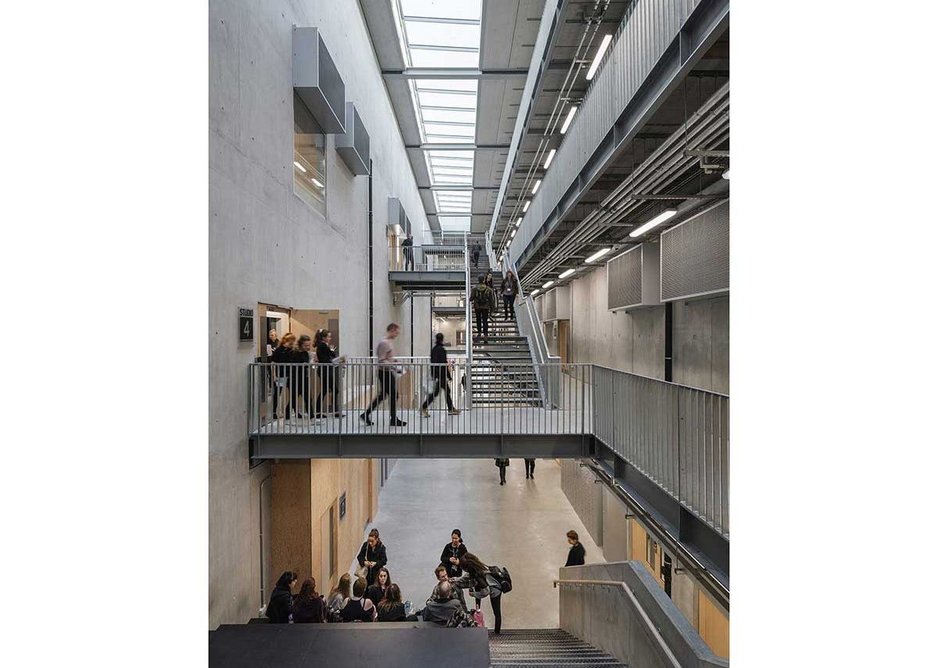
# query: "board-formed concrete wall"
266,245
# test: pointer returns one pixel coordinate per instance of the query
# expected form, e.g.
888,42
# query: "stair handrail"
465,244
649,625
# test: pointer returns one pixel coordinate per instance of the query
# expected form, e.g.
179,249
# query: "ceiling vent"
353,146
695,255
633,279
316,80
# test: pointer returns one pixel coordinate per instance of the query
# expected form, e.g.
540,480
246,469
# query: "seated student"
391,608
308,607
376,592
442,577
280,606
341,593
442,604
357,608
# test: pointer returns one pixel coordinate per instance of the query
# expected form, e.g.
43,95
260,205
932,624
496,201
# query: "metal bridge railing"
426,258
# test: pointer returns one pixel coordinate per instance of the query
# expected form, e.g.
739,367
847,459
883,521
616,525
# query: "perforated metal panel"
317,81
695,255
633,278
549,311
354,145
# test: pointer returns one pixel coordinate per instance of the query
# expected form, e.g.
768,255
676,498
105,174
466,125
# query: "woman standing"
376,592
452,553
304,346
282,356
327,370
481,583
280,606
372,555
509,292
308,607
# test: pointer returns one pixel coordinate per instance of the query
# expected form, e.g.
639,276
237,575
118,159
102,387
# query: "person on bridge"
577,554
281,357
483,299
509,292
408,246
440,377
327,370
388,370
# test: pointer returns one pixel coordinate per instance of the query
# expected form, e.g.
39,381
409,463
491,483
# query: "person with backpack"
484,582
483,299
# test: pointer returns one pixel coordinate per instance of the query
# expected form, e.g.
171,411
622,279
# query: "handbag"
478,618
361,572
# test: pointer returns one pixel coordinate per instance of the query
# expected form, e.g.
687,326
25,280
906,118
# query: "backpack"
502,576
481,297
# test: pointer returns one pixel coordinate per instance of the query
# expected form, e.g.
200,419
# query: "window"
309,158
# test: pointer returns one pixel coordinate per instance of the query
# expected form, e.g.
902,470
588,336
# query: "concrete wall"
702,343
267,245
585,496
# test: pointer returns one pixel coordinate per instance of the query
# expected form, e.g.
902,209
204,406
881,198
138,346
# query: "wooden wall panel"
714,625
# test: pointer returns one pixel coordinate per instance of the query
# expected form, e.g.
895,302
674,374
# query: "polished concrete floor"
521,525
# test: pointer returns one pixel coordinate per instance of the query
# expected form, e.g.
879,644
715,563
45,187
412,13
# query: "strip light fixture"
536,186
603,45
550,158
518,222
567,273
568,120
316,183
654,222
598,254
547,284
299,166
726,175
535,291
528,204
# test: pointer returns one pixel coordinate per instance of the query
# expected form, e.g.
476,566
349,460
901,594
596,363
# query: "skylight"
443,34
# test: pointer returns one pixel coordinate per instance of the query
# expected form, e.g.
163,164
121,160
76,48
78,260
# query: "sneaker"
397,423
424,412
454,411
367,420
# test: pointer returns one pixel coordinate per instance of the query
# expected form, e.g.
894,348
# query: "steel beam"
457,147
453,73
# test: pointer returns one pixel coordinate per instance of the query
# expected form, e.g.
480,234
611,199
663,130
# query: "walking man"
529,468
502,464
388,370
482,299
440,376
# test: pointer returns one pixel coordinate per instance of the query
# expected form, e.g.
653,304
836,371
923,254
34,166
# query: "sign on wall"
342,506
245,324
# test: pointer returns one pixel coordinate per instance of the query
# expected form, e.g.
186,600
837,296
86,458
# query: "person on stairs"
476,251
509,292
483,299
440,377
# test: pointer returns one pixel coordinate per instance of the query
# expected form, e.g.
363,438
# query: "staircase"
544,648
501,364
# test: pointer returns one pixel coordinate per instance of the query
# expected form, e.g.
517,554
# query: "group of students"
294,382
484,301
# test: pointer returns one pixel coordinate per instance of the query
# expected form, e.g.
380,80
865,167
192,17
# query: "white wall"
267,245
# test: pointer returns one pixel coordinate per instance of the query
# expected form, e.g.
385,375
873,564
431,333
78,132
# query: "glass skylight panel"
448,116
426,32
433,57
463,9
464,86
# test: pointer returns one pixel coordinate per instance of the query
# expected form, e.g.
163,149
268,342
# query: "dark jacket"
509,284
393,613
452,570
280,606
324,354
482,297
438,356
282,355
312,611
576,556
440,612
502,462
354,611
374,593
378,555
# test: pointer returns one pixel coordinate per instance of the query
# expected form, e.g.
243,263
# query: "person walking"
280,607
388,370
476,251
304,346
502,464
482,299
373,556
452,553
480,582
408,246
577,554
529,468
440,376
509,289
490,281
328,371
281,357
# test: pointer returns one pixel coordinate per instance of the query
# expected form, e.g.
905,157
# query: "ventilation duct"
556,304
633,279
695,255
397,217
354,145
316,80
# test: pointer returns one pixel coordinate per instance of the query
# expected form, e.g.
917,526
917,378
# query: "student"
482,299
373,556
451,554
408,246
529,468
476,251
304,346
282,356
577,554
280,606
272,342
358,608
481,584
387,382
440,377
327,371
308,607
502,464
509,292
441,604
376,592
391,607
341,593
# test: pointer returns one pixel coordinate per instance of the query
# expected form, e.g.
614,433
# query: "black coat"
576,556
374,593
280,606
452,570
378,555
393,613
438,357
309,612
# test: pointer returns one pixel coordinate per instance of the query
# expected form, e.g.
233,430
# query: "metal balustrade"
432,257
676,436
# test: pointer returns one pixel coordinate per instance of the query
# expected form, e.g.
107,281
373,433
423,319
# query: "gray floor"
521,526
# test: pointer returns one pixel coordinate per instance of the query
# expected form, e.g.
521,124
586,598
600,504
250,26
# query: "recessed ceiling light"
536,186
654,222
547,284
567,121
550,158
603,45
299,166
567,273
528,203
598,254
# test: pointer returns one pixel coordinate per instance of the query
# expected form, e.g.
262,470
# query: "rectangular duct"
316,80
557,304
549,310
397,216
695,255
354,145
633,279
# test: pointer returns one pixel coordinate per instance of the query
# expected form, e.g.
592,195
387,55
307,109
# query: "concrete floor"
521,525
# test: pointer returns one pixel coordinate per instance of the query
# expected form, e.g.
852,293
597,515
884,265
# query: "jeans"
482,322
387,387
509,306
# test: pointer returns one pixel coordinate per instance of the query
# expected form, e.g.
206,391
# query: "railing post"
465,241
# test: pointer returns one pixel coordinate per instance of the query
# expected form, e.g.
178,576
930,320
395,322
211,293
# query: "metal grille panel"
550,306
695,255
624,280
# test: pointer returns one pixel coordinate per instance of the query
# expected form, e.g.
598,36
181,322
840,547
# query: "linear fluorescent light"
316,183
518,222
726,175
567,121
566,273
603,45
598,254
299,166
547,284
654,222
513,233
535,291
536,186
550,158
528,203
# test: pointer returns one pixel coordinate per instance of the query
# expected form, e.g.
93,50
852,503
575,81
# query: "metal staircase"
544,648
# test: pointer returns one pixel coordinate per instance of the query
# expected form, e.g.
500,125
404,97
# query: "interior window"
309,158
